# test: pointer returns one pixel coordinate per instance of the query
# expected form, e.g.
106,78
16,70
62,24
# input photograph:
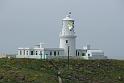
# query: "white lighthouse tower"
67,36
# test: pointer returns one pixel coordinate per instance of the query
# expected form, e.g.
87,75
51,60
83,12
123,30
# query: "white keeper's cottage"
67,46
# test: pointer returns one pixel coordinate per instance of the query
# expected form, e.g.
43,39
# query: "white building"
3,55
94,53
67,46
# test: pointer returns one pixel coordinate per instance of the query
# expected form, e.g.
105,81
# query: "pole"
68,57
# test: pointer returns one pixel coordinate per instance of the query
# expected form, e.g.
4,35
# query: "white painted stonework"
67,46
68,37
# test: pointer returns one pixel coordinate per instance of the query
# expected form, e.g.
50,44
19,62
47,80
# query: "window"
58,52
83,54
88,54
50,53
66,41
36,53
27,52
54,53
32,52
78,53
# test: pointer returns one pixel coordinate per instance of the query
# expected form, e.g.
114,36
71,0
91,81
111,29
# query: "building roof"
60,49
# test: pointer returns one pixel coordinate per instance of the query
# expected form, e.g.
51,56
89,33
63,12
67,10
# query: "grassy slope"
41,71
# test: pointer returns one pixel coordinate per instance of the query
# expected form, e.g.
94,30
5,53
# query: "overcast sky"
100,23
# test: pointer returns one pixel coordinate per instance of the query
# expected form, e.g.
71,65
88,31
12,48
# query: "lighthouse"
67,46
67,36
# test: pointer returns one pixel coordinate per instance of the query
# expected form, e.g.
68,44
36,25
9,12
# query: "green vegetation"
45,71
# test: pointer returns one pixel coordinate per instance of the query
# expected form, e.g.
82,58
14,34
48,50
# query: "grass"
45,71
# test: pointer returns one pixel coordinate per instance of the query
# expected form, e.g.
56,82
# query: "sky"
100,23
